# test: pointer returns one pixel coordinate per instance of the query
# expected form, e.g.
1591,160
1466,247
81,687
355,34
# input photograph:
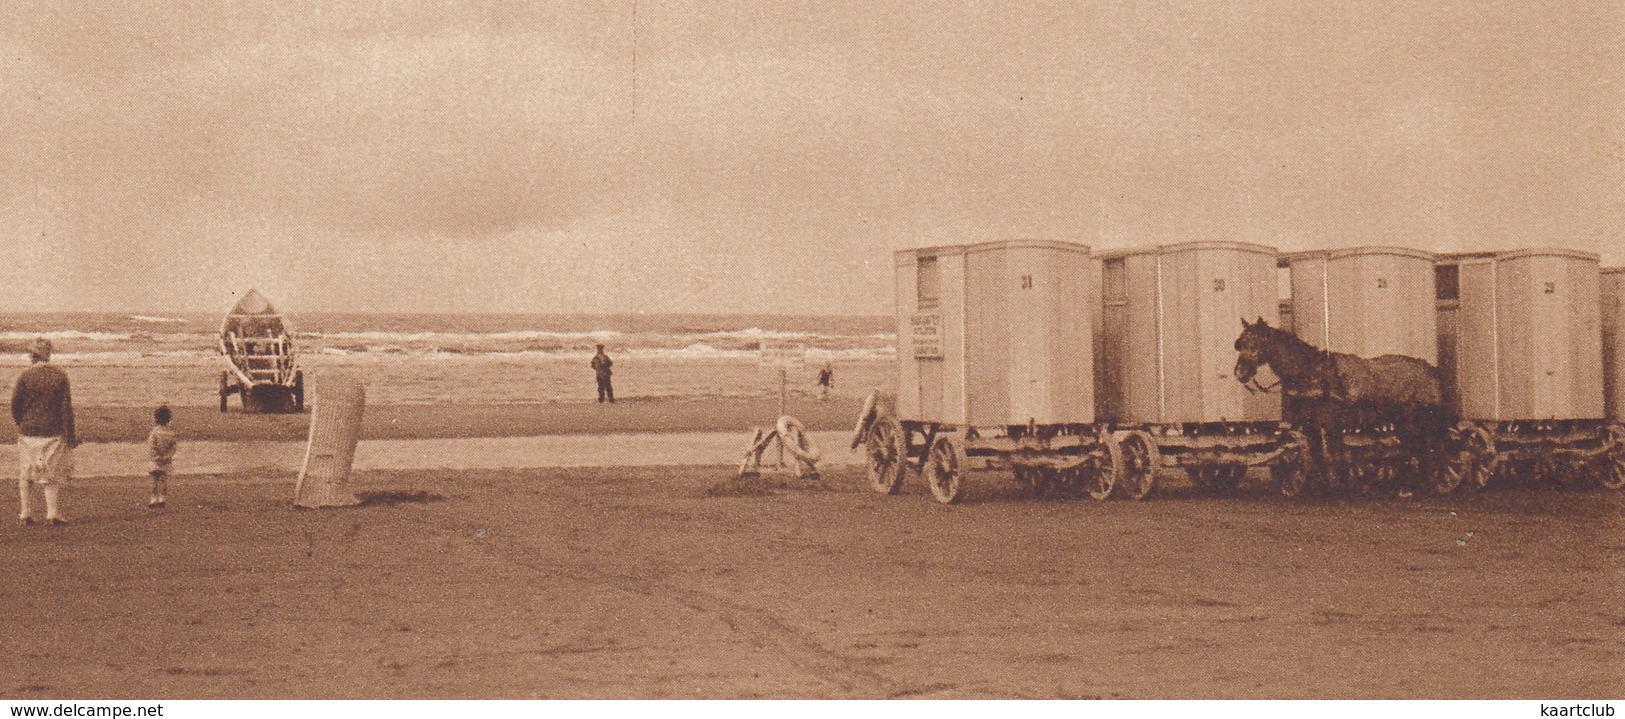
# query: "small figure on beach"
826,381
42,407
161,445
601,364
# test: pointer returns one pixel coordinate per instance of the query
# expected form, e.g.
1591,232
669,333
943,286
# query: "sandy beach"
384,421
282,459
679,583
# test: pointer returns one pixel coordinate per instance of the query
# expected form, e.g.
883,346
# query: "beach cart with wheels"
1167,318
995,373
1521,344
1371,302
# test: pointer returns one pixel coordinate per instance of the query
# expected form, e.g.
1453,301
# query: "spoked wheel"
945,467
1481,459
1293,470
1460,461
1613,469
886,447
1097,476
1136,464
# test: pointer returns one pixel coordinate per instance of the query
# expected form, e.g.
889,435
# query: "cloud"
493,150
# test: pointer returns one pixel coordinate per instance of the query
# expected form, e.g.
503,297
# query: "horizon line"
158,313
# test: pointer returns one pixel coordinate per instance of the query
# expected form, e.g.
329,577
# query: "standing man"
601,364
826,381
42,407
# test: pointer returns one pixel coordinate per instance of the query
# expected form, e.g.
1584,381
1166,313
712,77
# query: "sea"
125,359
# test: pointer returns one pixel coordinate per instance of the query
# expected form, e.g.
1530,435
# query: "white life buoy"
794,437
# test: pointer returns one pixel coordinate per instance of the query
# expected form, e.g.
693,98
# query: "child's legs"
23,498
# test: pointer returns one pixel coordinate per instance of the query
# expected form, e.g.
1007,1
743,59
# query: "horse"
1331,394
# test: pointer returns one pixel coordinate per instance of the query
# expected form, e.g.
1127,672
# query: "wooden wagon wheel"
1613,469
1097,477
1135,463
945,467
1486,458
1470,459
886,446
1293,470
1460,460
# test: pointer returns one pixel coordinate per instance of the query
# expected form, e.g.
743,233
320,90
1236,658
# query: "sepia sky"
767,156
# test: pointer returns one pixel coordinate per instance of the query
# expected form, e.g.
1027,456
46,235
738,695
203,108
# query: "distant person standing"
826,381
161,445
601,364
42,407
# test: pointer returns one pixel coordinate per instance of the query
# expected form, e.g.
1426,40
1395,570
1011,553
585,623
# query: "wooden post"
783,397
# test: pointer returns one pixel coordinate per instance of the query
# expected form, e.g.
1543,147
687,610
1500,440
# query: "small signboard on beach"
784,356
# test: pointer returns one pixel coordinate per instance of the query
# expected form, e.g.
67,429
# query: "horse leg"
1420,434
1320,442
1339,469
1413,450
1435,437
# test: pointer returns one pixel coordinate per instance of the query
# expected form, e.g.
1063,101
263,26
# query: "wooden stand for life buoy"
791,437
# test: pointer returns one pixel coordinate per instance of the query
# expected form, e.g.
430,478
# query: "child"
161,443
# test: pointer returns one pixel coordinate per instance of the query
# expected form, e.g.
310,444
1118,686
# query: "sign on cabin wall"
925,335
783,355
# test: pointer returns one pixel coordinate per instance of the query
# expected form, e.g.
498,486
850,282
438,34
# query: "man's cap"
41,348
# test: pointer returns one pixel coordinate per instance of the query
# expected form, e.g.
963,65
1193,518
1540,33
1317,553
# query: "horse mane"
1306,357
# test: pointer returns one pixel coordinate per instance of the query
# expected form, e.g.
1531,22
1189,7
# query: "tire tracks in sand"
758,627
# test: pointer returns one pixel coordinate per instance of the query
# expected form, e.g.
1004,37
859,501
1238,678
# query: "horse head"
1252,349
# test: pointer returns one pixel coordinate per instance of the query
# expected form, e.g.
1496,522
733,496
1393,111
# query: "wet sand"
131,424
678,582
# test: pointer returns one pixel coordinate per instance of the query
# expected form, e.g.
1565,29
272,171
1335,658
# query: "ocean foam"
67,335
